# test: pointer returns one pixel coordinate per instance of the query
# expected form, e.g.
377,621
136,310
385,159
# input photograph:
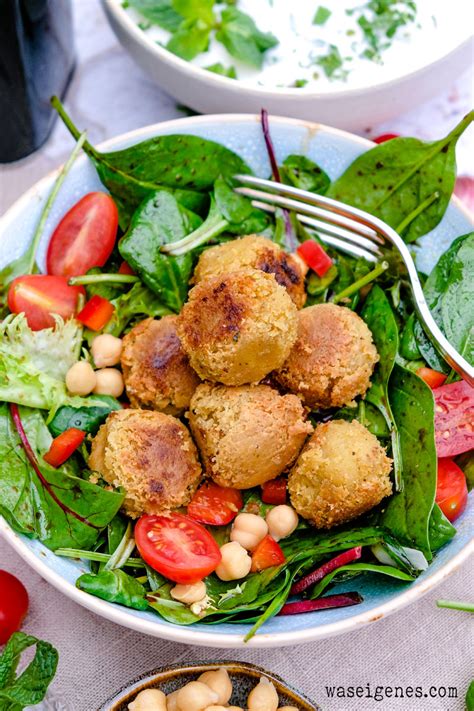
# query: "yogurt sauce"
301,42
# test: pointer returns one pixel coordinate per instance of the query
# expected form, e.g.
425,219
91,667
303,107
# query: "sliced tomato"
96,313
274,491
454,418
125,268
63,446
39,296
84,238
177,547
315,257
13,605
433,378
215,505
267,554
451,489
385,137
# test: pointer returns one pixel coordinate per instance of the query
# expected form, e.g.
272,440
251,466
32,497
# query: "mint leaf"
218,68
321,16
158,12
191,39
195,10
331,63
30,687
241,37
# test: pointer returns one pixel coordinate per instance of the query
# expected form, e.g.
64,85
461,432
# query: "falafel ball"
151,455
257,252
332,359
155,368
246,435
341,473
238,327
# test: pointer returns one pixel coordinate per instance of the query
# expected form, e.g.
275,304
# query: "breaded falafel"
257,252
246,435
342,472
332,359
238,327
155,368
151,455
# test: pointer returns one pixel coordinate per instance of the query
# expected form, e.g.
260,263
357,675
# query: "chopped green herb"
219,68
331,63
300,82
322,15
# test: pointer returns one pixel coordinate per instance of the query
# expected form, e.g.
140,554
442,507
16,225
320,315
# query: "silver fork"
357,233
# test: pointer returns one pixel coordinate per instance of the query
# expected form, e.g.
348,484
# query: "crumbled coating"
332,359
342,472
257,252
238,327
155,368
246,435
151,455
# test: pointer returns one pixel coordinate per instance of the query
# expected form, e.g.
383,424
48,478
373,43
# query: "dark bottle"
36,61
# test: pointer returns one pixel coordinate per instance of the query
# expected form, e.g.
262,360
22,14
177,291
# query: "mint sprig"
28,688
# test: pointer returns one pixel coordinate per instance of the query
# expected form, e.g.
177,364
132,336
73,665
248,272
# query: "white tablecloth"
419,646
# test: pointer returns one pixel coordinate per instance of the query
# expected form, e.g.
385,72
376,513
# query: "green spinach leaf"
441,531
88,419
378,315
349,571
45,503
138,303
301,172
393,179
30,687
457,302
407,514
114,586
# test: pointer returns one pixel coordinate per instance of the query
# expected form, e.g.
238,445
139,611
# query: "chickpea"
219,682
80,378
263,697
189,593
235,563
287,708
106,350
224,708
149,700
109,382
195,696
248,530
282,521
172,702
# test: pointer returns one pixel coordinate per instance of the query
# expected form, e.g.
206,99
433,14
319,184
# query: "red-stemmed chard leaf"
322,603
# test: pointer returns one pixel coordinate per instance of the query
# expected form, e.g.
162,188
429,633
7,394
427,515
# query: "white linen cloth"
418,646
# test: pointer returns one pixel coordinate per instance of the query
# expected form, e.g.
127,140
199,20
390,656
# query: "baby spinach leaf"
30,687
241,37
368,415
466,462
171,610
159,12
158,221
190,39
45,503
457,303
408,343
137,303
408,512
427,349
391,180
316,544
440,529
470,697
185,165
378,315
114,586
349,571
88,419
301,172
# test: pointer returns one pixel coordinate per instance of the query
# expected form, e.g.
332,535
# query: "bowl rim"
236,667
294,93
185,634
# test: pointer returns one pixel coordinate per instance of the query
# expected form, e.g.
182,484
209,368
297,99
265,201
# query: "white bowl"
333,150
352,109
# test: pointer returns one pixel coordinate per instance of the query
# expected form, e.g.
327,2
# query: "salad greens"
175,198
29,687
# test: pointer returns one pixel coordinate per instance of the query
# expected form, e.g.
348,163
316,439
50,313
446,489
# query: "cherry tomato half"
215,505
63,446
85,237
433,378
451,489
177,547
40,295
274,491
267,554
454,418
13,605
384,137
96,313
315,257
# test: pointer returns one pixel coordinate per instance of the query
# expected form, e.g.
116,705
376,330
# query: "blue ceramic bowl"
334,150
